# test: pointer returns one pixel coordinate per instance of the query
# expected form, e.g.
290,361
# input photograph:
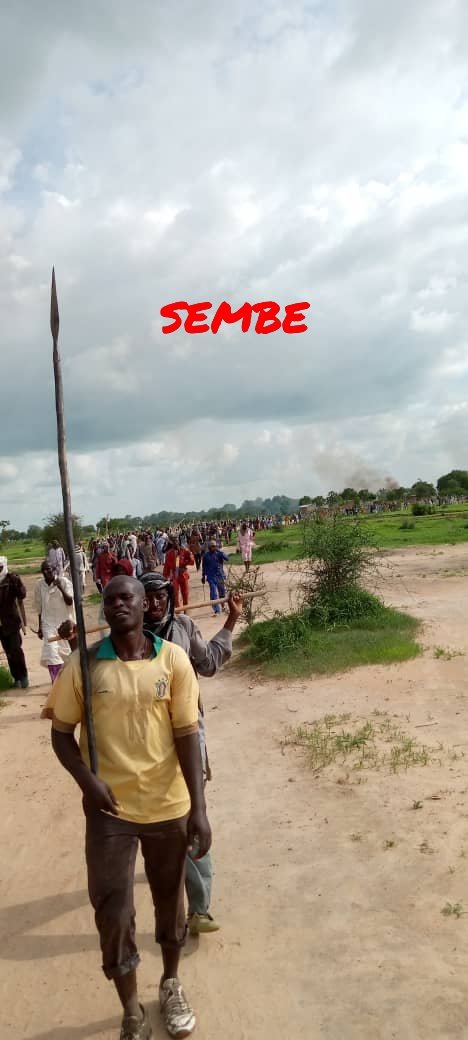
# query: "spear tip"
54,311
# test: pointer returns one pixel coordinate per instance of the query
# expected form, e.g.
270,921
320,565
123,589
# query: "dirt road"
329,891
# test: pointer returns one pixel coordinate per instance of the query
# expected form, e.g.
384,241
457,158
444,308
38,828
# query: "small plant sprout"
453,910
440,653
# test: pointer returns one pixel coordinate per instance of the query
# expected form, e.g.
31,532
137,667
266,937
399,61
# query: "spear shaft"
69,537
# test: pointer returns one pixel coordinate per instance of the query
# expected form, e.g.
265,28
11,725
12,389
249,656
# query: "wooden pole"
178,610
69,537
212,602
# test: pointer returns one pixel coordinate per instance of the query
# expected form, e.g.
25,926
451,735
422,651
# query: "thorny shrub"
249,581
337,554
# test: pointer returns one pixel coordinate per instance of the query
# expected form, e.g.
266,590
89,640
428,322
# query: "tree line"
278,505
450,485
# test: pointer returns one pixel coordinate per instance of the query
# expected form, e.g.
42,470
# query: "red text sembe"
268,317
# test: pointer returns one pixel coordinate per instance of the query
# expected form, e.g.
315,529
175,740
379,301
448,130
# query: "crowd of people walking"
176,550
173,552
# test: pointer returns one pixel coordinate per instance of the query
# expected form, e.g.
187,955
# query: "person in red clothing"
186,559
195,545
170,569
104,564
122,567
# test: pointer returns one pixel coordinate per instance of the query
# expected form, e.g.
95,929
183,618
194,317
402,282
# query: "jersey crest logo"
161,688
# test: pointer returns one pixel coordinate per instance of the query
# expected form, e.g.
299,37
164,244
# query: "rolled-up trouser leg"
198,882
111,848
164,848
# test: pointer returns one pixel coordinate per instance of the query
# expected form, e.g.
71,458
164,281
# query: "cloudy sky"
241,150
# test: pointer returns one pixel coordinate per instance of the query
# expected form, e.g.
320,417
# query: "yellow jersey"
139,707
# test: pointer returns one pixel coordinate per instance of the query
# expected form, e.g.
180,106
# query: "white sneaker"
177,1014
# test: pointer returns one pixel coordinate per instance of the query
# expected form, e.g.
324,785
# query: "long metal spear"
69,537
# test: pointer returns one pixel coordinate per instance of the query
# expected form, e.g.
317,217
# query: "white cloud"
431,321
438,285
10,157
19,263
281,151
8,471
454,361
230,452
61,200
41,172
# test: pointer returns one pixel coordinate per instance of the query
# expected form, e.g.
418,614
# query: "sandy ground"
322,936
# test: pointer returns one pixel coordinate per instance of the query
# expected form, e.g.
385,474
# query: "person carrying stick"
213,570
206,658
149,792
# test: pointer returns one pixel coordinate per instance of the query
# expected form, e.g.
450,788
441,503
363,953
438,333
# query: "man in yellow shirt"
149,790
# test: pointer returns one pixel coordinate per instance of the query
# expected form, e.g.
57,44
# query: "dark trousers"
12,646
111,849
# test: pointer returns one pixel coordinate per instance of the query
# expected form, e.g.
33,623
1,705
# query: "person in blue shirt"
213,570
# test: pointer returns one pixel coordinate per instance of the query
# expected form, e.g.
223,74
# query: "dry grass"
379,742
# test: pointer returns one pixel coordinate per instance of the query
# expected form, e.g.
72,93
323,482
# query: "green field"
442,528
23,551
24,557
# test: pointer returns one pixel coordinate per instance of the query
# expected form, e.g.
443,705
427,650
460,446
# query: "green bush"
337,555
272,545
6,682
344,606
285,631
420,509
407,525
281,632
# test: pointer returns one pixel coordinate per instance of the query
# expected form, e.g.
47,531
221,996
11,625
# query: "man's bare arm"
95,791
189,755
68,599
22,612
